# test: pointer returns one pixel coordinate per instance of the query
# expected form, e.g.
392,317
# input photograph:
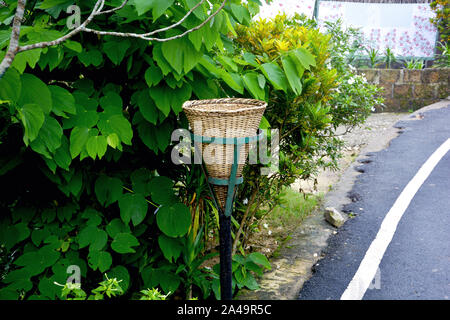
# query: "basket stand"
226,290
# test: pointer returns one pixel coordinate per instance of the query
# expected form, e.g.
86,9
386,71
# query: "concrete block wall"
406,90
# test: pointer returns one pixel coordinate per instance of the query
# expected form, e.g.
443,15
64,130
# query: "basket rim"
251,105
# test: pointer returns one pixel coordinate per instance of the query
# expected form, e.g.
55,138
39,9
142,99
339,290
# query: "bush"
311,89
85,134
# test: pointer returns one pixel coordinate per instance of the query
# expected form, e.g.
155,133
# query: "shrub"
441,20
311,90
85,131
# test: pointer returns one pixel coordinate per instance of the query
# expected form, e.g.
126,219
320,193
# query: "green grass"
294,207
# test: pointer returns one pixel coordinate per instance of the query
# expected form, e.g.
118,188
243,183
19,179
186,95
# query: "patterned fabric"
405,28
288,7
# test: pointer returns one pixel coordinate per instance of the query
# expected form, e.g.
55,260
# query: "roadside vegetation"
85,128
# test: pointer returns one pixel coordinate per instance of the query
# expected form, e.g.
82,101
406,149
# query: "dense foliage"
85,135
311,89
442,18
85,130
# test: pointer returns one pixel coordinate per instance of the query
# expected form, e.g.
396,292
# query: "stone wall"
406,90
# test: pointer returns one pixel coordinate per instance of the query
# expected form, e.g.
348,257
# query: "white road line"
369,265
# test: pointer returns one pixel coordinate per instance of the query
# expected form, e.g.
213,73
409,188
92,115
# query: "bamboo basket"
224,118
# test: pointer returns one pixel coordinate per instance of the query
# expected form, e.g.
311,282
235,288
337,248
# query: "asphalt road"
416,263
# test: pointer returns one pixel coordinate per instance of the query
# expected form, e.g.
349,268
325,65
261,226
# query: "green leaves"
292,74
116,49
108,190
111,103
35,262
96,146
93,237
157,7
32,119
275,75
260,259
35,92
153,76
100,260
92,57
181,54
240,12
305,58
123,243
209,65
78,139
253,84
174,220
161,190
10,86
63,101
133,206
167,99
147,107
170,247
121,127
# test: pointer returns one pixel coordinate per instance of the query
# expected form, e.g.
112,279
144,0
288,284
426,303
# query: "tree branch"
14,41
145,36
97,10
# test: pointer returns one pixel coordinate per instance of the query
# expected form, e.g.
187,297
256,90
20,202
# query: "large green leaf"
170,247
260,259
30,57
63,101
158,7
305,57
160,60
161,190
140,180
49,137
133,206
100,260
96,146
252,84
35,262
153,76
115,227
291,71
78,139
181,54
123,243
93,237
275,75
34,91
162,98
121,274
32,119
115,50
111,103
147,107
240,12
108,189
209,64
62,154
93,57
122,128
10,86
174,220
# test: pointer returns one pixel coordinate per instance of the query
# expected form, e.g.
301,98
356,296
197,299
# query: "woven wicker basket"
224,118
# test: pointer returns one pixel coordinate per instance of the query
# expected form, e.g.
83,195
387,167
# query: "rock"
334,217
